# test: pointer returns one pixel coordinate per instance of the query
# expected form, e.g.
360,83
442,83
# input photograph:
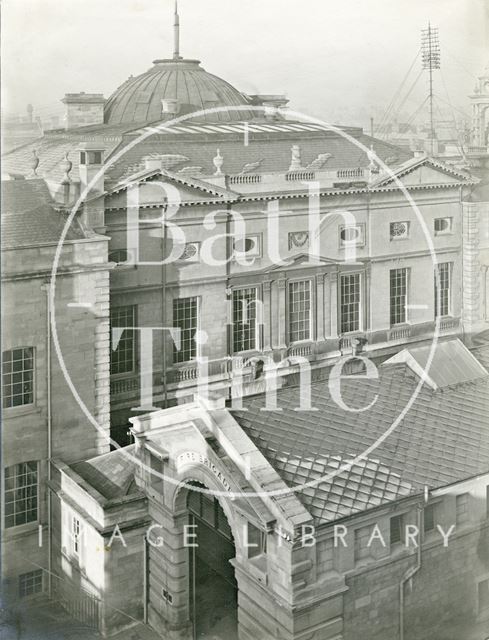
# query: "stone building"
333,256
389,544
41,419
303,245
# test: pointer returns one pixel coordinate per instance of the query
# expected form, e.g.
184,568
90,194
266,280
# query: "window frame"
482,611
401,517
261,541
27,576
247,254
342,276
352,243
446,232
405,319
13,491
312,309
462,517
436,293
26,405
175,360
393,238
257,341
124,374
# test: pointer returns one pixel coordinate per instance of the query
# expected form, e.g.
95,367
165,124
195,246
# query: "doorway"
213,588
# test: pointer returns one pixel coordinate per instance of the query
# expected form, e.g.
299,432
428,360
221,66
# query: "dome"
183,86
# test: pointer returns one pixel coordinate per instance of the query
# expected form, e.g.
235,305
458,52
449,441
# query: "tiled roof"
28,215
425,449
112,474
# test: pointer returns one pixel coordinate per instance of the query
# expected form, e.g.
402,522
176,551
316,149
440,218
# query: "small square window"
443,226
399,230
30,583
249,246
352,235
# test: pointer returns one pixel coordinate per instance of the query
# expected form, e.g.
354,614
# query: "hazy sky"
335,59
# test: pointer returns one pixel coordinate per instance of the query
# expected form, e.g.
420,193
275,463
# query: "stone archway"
170,568
213,590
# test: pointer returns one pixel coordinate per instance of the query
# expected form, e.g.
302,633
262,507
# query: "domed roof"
187,87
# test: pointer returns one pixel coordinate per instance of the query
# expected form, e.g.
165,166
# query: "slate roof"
271,150
111,474
29,217
269,145
424,450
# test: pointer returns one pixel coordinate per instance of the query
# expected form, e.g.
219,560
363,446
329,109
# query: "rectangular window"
75,536
299,311
30,583
21,489
256,541
185,318
361,548
244,319
123,342
18,377
350,303
429,518
462,507
483,595
396,529
442,293
398,295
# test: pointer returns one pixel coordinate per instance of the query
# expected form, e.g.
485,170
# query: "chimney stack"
91,172
83,109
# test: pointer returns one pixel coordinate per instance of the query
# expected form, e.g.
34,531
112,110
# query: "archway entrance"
213,590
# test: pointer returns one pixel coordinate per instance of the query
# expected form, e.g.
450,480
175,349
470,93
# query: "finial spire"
176,34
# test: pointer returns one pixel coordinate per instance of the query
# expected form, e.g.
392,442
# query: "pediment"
152,191
302,260
425,171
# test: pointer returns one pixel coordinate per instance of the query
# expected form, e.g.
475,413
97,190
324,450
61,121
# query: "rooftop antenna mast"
176,34
430,51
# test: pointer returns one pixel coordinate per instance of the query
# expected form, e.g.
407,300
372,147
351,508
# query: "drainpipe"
229,328
145,580
411,572
47,289
164,314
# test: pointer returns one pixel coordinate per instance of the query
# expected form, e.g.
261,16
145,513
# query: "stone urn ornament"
34,163
66,166
218,162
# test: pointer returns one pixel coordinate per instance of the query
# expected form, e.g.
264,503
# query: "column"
320,307
267,315
333,298
281,313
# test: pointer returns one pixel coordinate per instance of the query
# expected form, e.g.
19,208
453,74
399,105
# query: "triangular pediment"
302,260
425,171
151,192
